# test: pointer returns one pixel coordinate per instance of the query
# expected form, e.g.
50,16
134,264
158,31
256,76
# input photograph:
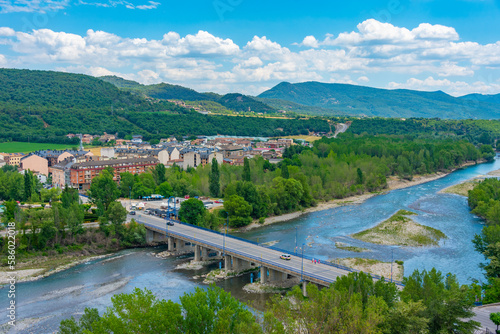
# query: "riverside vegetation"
484,200
429,303
50,237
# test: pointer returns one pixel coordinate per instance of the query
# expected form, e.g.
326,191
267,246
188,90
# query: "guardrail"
278,264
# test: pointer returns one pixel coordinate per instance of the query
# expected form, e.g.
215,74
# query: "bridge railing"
279,264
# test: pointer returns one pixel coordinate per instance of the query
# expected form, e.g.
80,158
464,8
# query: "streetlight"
295,240
302,272
392,260
224,238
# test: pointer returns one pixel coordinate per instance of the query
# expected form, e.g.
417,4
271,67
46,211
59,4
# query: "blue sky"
249,46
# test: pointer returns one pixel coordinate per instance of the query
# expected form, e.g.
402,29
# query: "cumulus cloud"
3,60
456,88
115,3
11,6
7,32
310,41
363,79
202,60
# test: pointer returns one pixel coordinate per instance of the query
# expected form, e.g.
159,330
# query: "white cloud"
204,60
3,60
6,31
310,41
456,88
252,62
363,79
127,4
41,6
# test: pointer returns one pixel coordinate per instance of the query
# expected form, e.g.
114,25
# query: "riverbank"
42,269
393,183
375,267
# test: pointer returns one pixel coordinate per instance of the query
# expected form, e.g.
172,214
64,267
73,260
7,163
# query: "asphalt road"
483,316
260,254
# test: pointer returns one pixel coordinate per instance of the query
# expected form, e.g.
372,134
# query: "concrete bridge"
240,254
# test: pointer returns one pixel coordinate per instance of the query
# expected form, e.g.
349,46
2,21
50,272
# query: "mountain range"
368,101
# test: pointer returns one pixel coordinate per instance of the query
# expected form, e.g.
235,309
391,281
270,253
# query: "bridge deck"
320,273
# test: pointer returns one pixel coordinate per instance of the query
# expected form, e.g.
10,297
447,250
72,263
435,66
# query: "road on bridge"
260,254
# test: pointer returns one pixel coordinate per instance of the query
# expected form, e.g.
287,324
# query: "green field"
14,146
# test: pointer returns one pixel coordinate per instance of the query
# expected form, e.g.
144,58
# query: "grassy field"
14,146
304,137
400,230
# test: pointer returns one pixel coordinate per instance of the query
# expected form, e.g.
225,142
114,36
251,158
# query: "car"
169,223
132,213
286,257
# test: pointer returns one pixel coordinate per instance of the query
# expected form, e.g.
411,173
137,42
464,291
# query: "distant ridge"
368,101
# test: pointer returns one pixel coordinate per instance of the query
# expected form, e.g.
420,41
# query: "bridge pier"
227,263
170,244
304,288
263,275
197,256
153,236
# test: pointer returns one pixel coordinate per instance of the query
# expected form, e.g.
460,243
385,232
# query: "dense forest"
474,131
484,200
429,303
42,106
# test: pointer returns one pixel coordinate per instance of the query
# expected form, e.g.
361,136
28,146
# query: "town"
77,168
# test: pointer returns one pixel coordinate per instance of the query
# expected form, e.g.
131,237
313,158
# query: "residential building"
83,173
36,164
136,139
61,175
13,159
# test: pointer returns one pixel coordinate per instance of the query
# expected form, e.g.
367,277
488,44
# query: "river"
42,304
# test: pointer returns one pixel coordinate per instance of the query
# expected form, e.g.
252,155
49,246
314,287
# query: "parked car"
132,213
285,257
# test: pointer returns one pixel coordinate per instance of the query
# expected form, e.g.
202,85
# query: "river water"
42,304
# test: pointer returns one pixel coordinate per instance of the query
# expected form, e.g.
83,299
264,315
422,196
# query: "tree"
239,211
284,171
246,170
103,191
214,179
74,218
495,317
360,179
164,189
159,174
117,214
69,196
205,311
127,181
213,310
28,185
448,305
192,211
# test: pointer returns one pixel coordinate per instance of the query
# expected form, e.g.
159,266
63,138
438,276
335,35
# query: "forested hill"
44,106
359,100
234,101
482,98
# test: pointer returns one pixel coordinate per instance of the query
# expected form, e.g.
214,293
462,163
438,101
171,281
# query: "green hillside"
44,106
234,102
482,98
367,101
292,107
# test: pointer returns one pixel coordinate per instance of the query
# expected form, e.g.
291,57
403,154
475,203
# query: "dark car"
169,223
132,213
